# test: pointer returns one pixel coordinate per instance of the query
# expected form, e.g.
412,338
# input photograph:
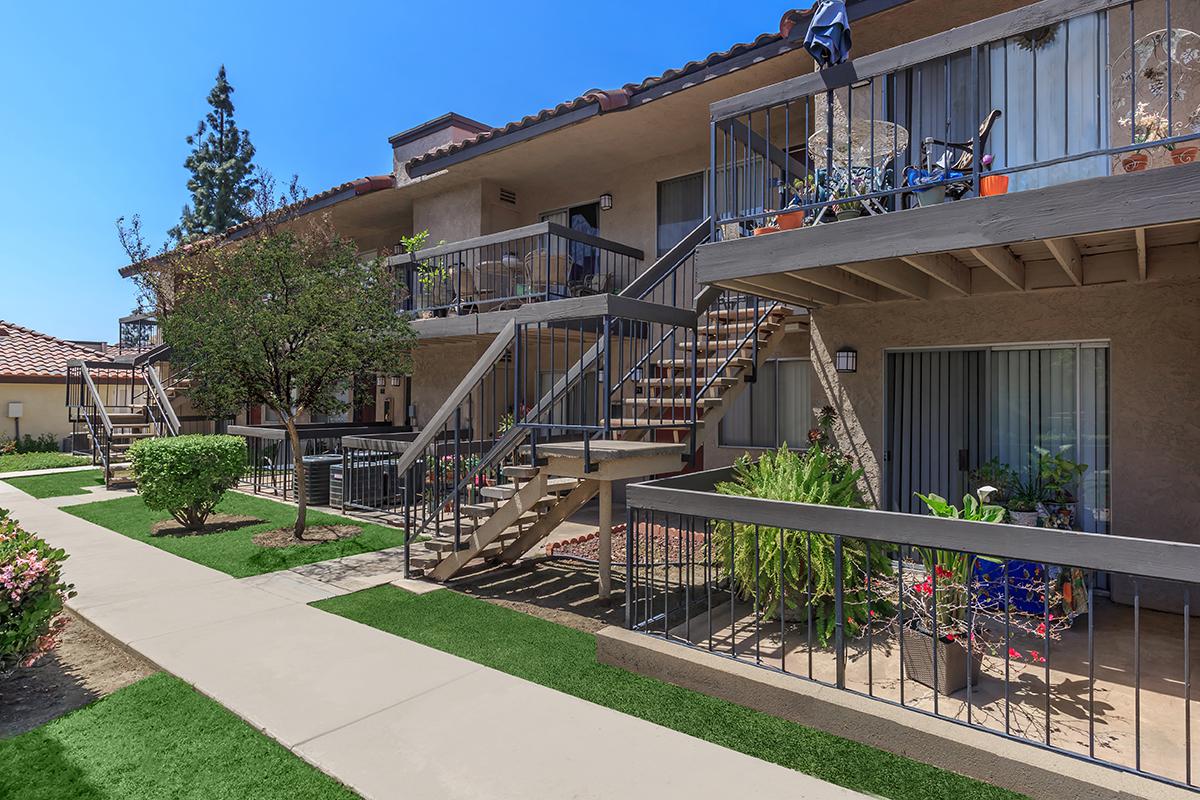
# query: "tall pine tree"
222,167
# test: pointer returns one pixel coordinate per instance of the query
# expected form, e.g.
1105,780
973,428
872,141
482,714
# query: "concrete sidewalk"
384,715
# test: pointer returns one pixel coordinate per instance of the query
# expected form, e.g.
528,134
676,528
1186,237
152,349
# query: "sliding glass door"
948,411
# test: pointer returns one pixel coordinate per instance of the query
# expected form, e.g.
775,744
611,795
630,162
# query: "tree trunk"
298,477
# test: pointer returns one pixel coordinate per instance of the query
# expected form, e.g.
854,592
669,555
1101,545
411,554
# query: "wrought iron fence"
270,466
999,627
545,261
1053,92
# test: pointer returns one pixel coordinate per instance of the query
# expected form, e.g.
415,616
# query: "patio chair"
555,266
965,162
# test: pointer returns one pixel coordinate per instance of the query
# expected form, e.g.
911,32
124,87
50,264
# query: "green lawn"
233,552
565,659
19,462
58,484
157,738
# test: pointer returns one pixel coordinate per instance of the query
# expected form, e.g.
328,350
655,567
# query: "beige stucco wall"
1154,334
44,409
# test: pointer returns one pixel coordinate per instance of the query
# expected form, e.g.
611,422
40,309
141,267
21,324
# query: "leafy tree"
222,168
286,318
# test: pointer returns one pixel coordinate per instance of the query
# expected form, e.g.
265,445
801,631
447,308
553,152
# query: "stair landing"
612,460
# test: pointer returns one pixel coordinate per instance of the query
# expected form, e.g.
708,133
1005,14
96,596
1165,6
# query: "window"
778,408
680,209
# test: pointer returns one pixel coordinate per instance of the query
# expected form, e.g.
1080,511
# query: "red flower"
949,637
1035,656
1041,629
924,587
942,572
1014,654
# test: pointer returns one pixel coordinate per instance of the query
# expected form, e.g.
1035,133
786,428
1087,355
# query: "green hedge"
31,592
186,476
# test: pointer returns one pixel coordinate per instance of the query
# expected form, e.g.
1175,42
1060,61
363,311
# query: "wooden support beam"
1139,236
1004,264
840,281
894,275
741,285
790,289
944,268
1066,253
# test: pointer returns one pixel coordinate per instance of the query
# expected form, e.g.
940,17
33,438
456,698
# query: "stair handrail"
638,289
101,412
154,382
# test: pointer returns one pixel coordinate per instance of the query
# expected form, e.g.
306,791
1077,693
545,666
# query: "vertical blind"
777,408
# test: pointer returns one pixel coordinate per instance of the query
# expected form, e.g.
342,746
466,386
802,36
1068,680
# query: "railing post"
457,462
711,196
976,143
409,483
606,394
839,610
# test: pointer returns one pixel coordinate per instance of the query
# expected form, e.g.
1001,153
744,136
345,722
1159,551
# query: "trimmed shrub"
46,443
187,476
31,592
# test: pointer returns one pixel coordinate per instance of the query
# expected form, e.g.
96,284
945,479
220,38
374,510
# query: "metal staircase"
638,369
111,405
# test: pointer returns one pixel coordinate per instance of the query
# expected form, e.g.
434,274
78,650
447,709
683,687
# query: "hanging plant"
1037,38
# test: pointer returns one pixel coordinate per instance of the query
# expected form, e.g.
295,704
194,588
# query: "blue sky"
100,96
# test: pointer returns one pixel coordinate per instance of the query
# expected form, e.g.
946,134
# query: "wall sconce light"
606,202
846,360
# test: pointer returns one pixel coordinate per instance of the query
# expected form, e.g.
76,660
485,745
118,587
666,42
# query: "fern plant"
807,556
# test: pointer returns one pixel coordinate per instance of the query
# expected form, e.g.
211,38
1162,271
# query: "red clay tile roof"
26,353
613,99
360,186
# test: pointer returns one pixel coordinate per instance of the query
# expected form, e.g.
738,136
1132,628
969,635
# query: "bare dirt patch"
216,523
314,534
84,667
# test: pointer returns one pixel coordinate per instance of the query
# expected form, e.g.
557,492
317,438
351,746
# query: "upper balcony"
1005,155
507,270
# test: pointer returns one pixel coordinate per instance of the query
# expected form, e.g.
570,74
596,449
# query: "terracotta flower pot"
949,665
990,185
1135,162
790,220
765,230
1184,155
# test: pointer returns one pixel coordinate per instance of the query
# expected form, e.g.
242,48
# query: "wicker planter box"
950,665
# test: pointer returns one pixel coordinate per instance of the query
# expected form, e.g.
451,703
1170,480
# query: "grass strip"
564,658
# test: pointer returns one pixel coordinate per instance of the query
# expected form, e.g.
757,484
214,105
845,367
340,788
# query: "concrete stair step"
519,471
704,364
671,402
504,491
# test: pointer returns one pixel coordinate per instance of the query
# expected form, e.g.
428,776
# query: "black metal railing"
999,627
1050,93
270,467
546,261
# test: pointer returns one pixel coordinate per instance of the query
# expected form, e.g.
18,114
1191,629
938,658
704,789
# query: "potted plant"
939,604
1186,153
1060,476
752,554
1001,477
793,214
1146,127
990,185
770,225
850,194
1026,500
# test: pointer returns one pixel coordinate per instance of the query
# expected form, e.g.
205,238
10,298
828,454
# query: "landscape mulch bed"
83,667
216,523
314,534
662,544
